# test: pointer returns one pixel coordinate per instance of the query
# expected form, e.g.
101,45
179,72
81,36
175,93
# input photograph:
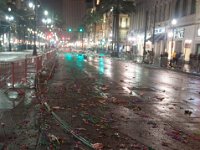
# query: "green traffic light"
69,29
81,29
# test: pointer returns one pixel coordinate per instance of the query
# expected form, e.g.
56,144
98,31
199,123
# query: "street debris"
58,108
97,146
154,125
188,112
160,98
178,135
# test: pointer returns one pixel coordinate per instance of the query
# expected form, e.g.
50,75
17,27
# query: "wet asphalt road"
158,108
166,114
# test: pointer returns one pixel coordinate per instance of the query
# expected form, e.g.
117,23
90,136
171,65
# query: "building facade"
101,33
161,35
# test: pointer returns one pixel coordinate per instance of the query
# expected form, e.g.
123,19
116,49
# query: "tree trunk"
115,37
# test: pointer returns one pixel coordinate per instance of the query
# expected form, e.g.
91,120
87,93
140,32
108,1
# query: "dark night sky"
72,11
52,5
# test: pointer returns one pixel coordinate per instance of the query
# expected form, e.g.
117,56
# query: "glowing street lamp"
46,13
9,9
32,5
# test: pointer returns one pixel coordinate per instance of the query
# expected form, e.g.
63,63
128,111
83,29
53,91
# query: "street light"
9,19
81,30
9,9
33,6
46,13
173,23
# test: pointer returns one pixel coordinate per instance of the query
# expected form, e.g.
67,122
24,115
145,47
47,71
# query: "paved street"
120,104
124,105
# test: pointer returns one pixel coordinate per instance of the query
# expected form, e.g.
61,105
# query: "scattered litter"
81,129
178,135
116,135
122,145
58,108
188,112
102,102
135,108
160,98
154,125
117,101
53,138
97,146
165,144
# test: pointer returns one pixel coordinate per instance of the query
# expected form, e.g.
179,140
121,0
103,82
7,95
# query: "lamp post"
9,19
34,7
81,30
46,20
153,34
173,23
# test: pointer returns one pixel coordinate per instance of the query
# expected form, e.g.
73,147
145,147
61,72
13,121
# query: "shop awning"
157,37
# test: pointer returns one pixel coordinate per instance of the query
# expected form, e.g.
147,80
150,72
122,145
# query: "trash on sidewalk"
97,146
80,129
135,108
178,135
188,112
160,98
58,108
154,125
53,138
191,99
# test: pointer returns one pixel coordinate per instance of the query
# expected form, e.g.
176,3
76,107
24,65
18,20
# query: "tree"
118,7
91,20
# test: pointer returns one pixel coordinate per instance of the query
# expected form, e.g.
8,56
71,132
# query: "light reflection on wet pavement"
163,97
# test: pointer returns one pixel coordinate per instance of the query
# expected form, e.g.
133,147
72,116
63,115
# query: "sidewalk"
184,68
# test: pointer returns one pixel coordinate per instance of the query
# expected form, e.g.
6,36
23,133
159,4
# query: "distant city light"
46,12
174,22
31,5
9,9
9,18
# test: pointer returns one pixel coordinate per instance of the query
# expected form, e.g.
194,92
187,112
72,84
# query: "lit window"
198,33
98,1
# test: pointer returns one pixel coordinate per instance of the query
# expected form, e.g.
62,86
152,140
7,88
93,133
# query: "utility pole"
145,35
154,26
35,24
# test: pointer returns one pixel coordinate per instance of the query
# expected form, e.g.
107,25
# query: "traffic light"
81,29
69,30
